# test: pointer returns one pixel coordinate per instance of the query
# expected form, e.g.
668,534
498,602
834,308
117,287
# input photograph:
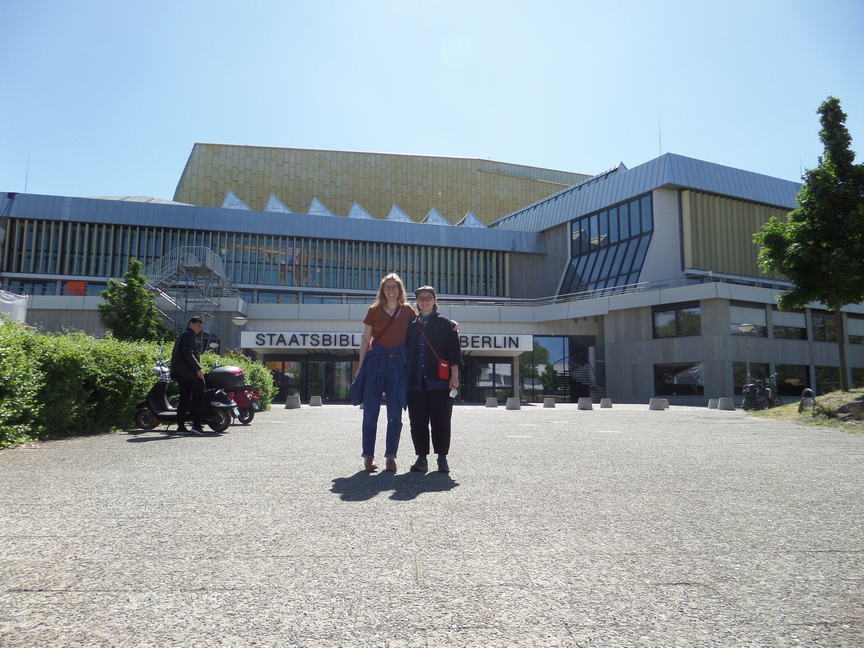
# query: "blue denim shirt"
373,369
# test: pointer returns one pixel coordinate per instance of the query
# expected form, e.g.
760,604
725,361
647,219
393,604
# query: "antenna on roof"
26,174
659,135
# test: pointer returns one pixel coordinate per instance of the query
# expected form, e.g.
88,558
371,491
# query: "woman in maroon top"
382,367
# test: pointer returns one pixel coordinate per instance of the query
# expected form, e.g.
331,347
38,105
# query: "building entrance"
329,378
482,378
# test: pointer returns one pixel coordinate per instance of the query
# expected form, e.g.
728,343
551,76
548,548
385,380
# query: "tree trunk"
841,346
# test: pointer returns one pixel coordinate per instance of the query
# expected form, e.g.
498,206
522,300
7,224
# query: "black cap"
425,289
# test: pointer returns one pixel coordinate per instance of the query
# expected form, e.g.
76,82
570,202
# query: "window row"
686,378
103,250
610,226
608,248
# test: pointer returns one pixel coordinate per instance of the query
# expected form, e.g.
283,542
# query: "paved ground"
557,527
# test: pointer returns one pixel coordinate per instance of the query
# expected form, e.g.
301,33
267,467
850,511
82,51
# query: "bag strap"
389,322
420,328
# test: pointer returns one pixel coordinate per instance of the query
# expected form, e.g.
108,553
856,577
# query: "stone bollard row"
292,401
513,403
712,403
548,401
605,402
584,403
491,402
315,401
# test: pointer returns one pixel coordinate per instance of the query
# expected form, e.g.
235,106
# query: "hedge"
56,385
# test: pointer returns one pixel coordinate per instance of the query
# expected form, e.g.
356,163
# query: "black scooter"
156,409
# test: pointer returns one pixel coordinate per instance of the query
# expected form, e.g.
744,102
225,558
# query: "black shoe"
196,431
421,465
442,465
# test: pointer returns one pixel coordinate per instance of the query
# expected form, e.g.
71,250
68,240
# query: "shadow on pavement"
363,485
138,436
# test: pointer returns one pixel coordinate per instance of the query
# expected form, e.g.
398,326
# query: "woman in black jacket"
434,357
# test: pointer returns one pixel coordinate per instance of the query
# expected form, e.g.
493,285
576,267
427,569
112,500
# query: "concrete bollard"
584,403
491,402
548,401
712,403
725,403
665,403
657,404
292,401
605,403
513,403
315,401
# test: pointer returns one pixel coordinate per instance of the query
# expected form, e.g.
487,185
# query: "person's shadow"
363,485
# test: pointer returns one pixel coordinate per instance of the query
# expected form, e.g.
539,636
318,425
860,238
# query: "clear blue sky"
107,97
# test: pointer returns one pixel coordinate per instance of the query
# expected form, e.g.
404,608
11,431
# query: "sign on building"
512,344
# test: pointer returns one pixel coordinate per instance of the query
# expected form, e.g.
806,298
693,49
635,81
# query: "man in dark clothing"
186,372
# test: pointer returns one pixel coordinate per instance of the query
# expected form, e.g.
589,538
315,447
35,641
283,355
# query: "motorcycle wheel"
246,415
220,421
144,420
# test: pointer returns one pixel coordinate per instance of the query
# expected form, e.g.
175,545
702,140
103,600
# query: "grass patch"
836,409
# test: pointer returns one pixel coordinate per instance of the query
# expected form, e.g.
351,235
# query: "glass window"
610,230
616,254
624,220
677,320
857,377
748,316
678,379
827,379
625,258
603,229
824,326
640,253
613,225
792,379
790,332
607,262
576,236
645,208
664,324
267,297
689,321
590,273
635,224
758,371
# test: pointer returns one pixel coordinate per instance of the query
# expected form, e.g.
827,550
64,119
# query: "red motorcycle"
233,381
246,397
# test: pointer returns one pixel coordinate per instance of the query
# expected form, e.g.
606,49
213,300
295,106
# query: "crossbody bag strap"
420,328
389,322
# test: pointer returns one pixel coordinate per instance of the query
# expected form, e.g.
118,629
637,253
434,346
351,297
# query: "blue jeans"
385,373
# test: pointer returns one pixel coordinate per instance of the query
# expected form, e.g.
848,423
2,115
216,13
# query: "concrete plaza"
556,527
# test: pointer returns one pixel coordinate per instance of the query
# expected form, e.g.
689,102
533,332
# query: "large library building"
631,283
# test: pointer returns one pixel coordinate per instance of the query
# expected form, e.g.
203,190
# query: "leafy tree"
550,379
129,309
820,246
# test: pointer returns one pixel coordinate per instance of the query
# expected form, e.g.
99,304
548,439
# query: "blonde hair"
381,301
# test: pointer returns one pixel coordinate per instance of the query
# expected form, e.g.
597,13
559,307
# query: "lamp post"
239,321
746,329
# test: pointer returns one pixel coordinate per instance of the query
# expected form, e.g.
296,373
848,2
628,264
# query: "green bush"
256,373
69,384
92,386
21,382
